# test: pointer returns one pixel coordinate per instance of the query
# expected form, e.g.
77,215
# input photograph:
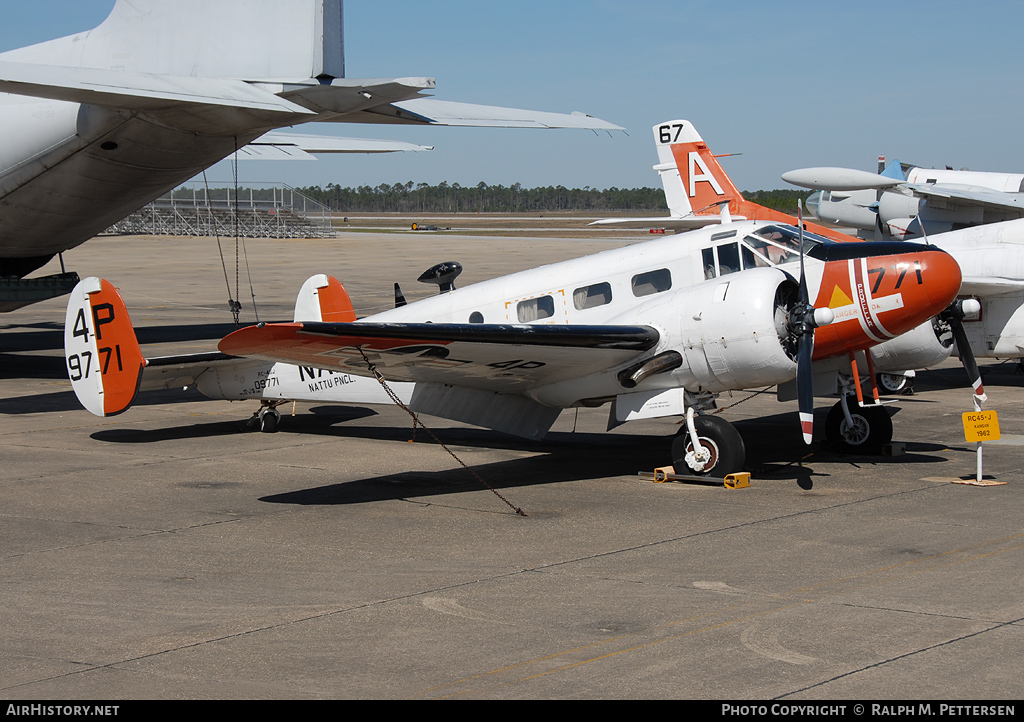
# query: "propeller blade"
955,317
805,386
805,348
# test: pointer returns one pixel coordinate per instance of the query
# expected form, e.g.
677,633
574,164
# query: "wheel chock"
664,474
738,481
667,474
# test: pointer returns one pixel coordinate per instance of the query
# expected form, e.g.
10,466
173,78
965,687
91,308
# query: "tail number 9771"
81,365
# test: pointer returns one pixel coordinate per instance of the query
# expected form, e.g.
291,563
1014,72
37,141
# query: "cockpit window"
729,259
781,244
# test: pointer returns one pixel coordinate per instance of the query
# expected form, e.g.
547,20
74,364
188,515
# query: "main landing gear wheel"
722,442
871,429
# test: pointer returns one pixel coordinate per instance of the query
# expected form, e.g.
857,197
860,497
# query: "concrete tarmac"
170,553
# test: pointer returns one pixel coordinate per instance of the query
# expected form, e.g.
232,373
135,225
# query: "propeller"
954,316
803,320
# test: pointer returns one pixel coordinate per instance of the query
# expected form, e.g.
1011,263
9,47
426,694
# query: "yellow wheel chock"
666,474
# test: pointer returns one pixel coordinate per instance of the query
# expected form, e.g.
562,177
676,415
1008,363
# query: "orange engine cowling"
880,291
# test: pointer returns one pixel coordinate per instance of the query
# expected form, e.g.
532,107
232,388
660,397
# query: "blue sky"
787,84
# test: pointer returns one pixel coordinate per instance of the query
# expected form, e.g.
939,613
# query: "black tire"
728,453
268,422
893,383
872,429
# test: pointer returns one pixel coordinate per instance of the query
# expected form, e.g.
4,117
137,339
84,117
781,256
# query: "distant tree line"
483,198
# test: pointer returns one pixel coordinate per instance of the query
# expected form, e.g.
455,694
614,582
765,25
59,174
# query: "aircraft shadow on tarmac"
561,457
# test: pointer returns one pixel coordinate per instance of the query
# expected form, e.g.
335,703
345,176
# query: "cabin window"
476,317
599,294
648,284
728,259
536,309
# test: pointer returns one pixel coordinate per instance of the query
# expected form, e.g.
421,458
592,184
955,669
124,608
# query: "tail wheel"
720,439
268,421
870,431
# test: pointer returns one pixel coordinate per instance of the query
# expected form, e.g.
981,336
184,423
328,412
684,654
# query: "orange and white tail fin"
104,360
702,180
323,299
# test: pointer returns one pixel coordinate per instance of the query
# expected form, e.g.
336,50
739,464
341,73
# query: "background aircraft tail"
702,180
705,185
273,40
323,299
104,360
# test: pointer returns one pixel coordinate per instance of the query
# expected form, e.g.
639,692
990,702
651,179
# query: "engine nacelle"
734,331
927,345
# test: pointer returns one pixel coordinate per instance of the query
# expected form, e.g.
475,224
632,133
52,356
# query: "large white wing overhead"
429,111
293,146
136,91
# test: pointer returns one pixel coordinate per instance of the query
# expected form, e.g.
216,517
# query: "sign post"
981,426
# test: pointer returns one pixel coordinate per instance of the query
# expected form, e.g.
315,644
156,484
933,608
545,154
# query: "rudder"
104,361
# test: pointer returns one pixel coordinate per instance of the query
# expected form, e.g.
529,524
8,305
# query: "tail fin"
702,180
104,360
323,298
675,193
285,40
705,184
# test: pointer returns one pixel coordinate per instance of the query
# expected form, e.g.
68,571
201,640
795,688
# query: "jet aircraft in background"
98,124
653,330
895,202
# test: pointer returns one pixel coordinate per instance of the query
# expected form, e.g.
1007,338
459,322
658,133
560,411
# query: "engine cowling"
734,331
929,344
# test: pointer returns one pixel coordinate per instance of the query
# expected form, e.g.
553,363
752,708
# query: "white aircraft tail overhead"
254,40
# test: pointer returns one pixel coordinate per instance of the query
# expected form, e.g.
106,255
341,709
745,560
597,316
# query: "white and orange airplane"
654,330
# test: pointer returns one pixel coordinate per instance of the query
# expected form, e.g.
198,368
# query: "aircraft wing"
971,197
136,91
293,146
428,111
984,286
499,358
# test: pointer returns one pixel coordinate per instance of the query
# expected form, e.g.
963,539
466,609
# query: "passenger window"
592,296
728,259
536,309
709,264
647,284
476,317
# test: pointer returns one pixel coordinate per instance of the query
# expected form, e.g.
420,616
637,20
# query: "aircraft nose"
941,279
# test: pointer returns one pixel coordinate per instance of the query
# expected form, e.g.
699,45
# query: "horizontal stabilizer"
687,223
136,91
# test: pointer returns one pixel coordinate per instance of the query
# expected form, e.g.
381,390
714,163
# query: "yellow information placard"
981,426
